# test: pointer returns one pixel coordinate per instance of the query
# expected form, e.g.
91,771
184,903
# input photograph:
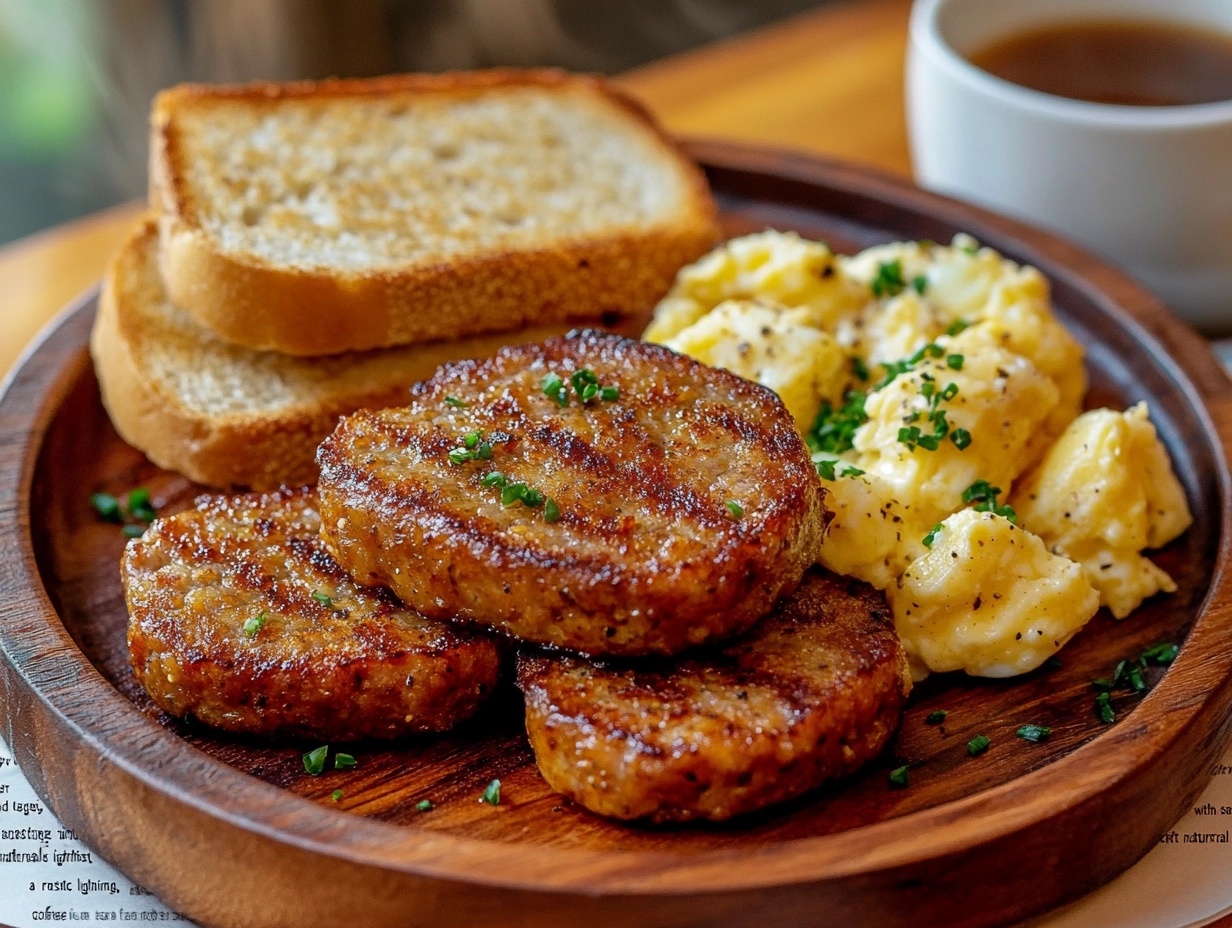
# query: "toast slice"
229,416
313,218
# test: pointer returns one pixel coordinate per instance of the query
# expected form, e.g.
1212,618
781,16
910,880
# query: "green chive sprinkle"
459,456
859,367
314,761
609,394
898,776
928,539
495,479
888,281
957,327
954,361
107,507
1103,708
323,598
919,283
734,509
1162,654
554,388
1034,733
1103,684
344,761
961,439
491,795
139,506
253,625
978,745
551,512
455,402
936,717
424,805
132,531
471,440
336,795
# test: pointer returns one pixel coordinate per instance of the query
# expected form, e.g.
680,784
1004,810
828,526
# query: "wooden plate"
233,832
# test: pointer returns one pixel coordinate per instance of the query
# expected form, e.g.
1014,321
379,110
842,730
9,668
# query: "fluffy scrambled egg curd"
941,398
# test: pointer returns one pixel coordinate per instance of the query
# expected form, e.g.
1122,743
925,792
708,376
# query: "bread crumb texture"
369,183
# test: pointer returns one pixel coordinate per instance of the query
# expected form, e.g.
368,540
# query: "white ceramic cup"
1148,187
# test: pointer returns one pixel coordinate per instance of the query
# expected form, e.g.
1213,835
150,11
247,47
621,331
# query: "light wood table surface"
828,81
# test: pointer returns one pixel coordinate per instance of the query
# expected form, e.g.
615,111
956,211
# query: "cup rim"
926,37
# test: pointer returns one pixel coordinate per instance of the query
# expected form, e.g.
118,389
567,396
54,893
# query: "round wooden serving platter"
234,832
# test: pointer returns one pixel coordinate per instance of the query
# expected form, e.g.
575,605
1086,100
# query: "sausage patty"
239,617
814,691
592,492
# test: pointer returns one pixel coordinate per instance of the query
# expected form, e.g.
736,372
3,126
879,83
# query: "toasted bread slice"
314,218
228,416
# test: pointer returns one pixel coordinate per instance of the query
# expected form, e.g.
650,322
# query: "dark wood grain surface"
219,826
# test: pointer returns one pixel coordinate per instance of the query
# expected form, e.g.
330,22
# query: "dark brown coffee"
1123,62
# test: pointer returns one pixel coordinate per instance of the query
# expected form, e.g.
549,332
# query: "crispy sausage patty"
239,617
814,691
672,506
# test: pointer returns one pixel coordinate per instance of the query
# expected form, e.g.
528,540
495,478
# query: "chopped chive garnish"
107,507
1034,733
1103,683
978,745
459,456
609,394
834,430
139,505
551,512
471,439
253,625
1162,654
898,776
859,368
554,388
455,402
515,493
323,598
961,439
495,479
491,795
928,539
936,717
336,795
888,281
314,760
734,509
344,761
957,327
585,384
132,531
919,283
954,361
1103,708
424,805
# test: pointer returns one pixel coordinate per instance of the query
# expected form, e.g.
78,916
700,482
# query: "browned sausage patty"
675,510
239,617
814,691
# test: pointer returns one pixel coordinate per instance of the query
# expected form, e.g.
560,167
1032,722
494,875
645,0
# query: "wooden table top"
829,81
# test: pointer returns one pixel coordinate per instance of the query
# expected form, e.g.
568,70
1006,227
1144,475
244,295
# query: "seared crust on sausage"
814,691
321,658
646,556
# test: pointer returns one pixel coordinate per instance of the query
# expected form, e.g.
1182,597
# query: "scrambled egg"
988,598
773,346
1103,493
941,398
778,267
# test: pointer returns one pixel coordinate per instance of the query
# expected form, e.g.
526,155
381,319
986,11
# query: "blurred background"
77,76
